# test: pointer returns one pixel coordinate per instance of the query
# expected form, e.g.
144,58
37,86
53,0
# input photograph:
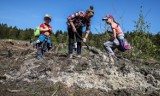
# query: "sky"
29,13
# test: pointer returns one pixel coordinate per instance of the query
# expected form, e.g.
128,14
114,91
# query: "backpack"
127,45
37,32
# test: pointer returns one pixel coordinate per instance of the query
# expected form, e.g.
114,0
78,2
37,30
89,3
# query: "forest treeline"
145,44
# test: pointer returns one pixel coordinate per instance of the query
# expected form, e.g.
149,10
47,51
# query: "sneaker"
112,55
79,56
39,58
70,56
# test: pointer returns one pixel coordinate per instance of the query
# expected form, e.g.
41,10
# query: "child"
75,23
46,31
118,35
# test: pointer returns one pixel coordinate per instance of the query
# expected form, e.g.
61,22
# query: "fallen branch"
14,91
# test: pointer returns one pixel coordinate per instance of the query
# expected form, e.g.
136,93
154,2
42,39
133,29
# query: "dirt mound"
92,75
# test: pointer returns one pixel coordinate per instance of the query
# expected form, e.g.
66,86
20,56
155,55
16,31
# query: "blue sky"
29,13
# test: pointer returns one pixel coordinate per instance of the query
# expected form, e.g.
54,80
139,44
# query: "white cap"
48,16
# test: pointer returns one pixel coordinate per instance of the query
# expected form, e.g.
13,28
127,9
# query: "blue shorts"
42,37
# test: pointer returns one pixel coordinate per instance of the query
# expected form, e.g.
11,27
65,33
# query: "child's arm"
114,33
44,29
